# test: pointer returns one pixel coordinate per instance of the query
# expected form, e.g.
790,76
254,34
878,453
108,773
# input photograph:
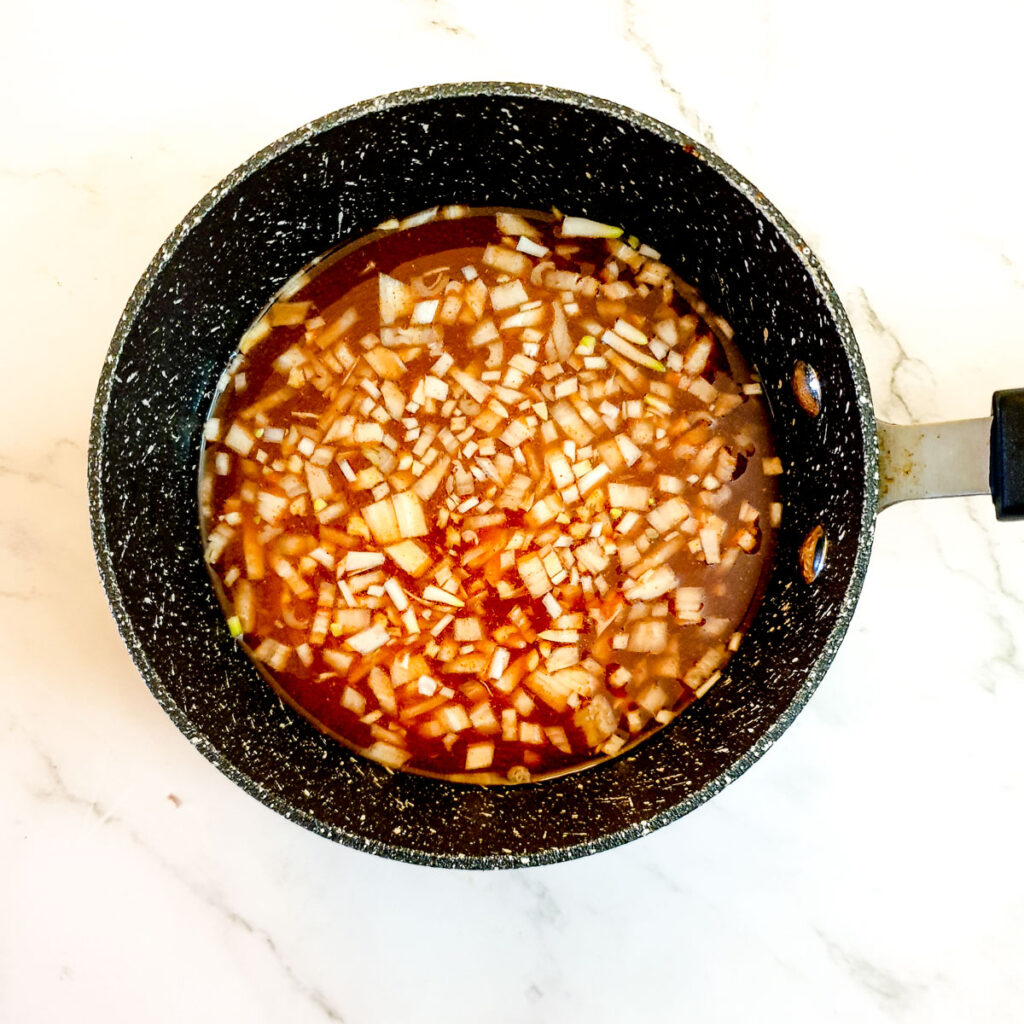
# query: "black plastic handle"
1006,465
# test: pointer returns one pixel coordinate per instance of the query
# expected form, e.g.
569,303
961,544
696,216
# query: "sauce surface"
489,500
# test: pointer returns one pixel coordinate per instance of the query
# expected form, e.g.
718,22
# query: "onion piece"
359,561
623,347
254,335
441,624
429,481
435,388
353,700
350,620
471,664
273,653
394,590
513,224
659,553
410,556
581,227
624,329
340,661
652,584
239,439
287,314
479,755
531,248
396,298
560,636
531,732
414,220
369,640
499,662
507,261
562,657
382,520
591,557
380,684
571,424
544,511
709,544
425,311
271,507
556,688
409,514
476,389
385,363
319,484
593,478
524,318
668,515
467,630
368,433
386,754
631,496
439,596
649,636
292,579
505,296
534,576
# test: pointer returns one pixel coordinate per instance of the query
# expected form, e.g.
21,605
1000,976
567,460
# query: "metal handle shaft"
933,460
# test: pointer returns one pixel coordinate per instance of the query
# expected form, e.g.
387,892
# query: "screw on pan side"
807,387
813,554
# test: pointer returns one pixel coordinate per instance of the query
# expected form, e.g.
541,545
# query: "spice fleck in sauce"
490,495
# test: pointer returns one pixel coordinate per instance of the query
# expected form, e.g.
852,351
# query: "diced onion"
396,299
580,227
424,312
239,439
482,538
369,640
436,594
532,248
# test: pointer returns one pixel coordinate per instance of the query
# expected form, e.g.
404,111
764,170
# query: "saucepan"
493,144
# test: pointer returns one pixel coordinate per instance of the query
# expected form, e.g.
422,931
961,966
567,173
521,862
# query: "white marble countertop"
867,869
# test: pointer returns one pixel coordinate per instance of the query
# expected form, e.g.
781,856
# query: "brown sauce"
577,462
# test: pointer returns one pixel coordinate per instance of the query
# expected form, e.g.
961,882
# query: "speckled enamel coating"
333,180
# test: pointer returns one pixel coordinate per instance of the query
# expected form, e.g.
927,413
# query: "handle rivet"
807,387
813,553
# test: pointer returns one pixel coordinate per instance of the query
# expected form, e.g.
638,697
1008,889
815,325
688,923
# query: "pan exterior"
332,181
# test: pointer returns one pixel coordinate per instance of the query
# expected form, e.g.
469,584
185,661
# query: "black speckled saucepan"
334,180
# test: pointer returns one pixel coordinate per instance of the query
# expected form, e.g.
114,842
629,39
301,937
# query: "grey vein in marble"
43,173
902,363
1011,659
1008,656
899,395
695,124
892,993
545,908
1016,279
59,789
40,475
